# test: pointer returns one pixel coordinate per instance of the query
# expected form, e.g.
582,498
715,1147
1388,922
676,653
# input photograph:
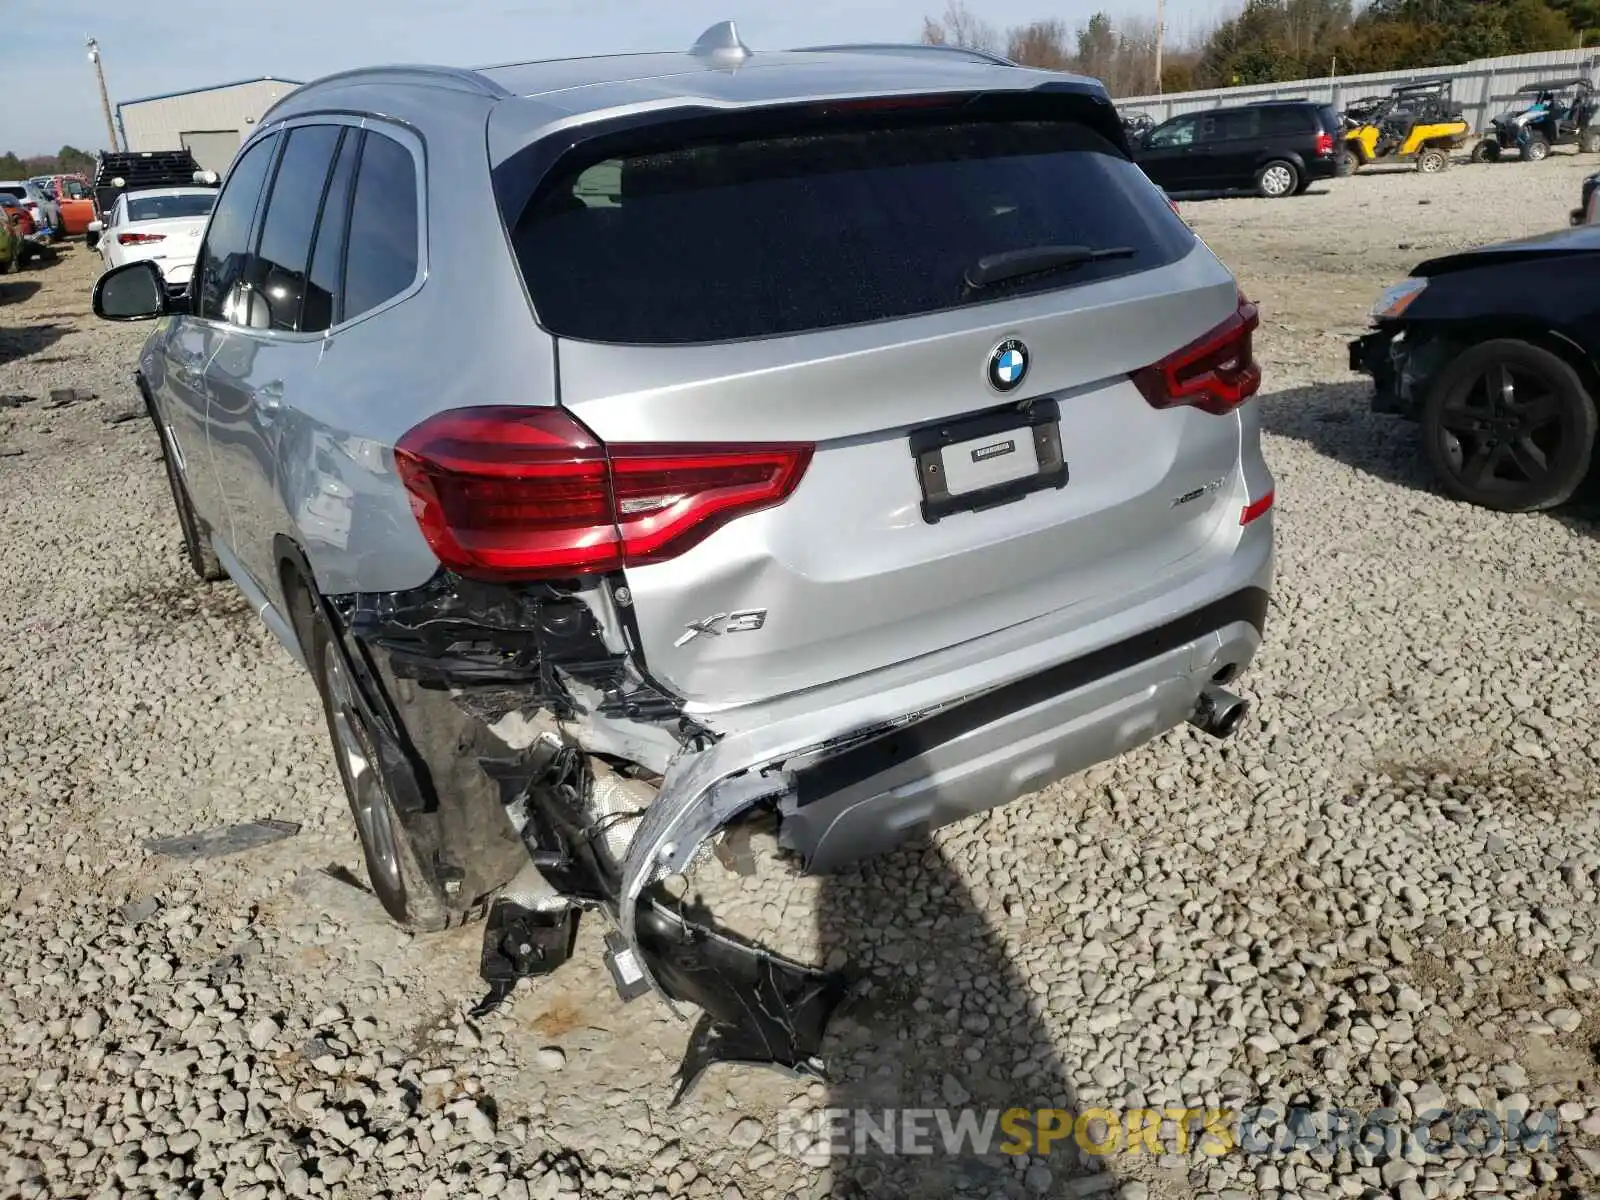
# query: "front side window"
1173,133
381,261
222,259
277,272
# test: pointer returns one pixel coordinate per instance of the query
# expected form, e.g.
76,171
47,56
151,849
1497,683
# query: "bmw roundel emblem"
1008,365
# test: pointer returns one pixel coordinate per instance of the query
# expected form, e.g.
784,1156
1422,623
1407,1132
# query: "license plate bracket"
984,444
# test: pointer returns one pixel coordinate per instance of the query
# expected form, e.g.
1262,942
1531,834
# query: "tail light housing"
139,239
1216,373
1324,145
529,493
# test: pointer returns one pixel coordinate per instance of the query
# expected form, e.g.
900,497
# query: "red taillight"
527,493
139,239
1324,145
1215,374
1255,509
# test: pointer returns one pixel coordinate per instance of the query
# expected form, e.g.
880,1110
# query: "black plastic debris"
127,414
229,839
10,451
519,943
757,1008
16,401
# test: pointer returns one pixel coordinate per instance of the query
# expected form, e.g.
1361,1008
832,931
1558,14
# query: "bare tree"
1040,44
960,27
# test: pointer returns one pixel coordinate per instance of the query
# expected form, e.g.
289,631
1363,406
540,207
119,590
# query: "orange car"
74,197
21,220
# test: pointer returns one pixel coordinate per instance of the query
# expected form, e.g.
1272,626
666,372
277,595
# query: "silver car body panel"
874,618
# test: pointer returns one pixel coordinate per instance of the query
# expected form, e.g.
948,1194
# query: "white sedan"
163,225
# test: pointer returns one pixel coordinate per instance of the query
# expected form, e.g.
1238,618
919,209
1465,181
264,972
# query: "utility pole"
1161,33
105,99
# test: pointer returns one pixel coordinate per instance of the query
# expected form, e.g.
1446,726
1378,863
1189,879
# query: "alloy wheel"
1502,432
358,763
1277,180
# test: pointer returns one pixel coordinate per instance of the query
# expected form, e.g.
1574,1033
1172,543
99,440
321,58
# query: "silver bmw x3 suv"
631,444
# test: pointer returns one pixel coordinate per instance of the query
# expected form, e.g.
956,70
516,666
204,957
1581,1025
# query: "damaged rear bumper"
532,705
867,771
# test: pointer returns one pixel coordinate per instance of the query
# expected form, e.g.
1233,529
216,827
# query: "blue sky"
170,45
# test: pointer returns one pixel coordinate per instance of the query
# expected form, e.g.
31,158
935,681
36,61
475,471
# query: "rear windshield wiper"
1036,260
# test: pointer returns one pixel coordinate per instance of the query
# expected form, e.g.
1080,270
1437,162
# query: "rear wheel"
1487,150
1352,162
196,536
1277,179
1432,160
1510,426
1589,141
393,864
1536,149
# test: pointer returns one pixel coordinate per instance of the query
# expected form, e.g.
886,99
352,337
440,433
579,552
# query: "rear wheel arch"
297,583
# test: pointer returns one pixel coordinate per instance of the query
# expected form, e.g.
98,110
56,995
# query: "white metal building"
209,122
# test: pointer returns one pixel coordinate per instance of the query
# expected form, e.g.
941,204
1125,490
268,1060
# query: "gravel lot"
1382,893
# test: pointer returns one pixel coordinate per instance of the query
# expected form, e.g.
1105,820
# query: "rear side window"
1329,119
279,270
222,259
718,240
1239,123
321,308
382,259
1287,121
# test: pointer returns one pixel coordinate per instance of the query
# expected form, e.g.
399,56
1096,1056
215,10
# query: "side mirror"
206,178
96,226
132,292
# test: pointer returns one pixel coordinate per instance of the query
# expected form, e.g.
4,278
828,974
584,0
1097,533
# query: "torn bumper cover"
876,782
611,788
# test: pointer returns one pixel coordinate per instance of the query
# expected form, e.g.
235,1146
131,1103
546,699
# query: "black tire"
1589,141
1535,149
1277,180
1433,160
1511,427
1352,162
196,534
1487,150
394,866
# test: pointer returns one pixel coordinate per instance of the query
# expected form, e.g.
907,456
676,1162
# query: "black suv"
1275,148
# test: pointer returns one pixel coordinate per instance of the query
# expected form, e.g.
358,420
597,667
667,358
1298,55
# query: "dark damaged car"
1494,353
636,447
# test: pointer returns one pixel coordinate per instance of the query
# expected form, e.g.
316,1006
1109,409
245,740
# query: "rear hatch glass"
858,220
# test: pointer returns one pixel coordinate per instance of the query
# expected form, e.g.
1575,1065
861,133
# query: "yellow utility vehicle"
1415,123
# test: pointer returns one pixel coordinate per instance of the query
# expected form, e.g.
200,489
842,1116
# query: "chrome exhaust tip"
1219,712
